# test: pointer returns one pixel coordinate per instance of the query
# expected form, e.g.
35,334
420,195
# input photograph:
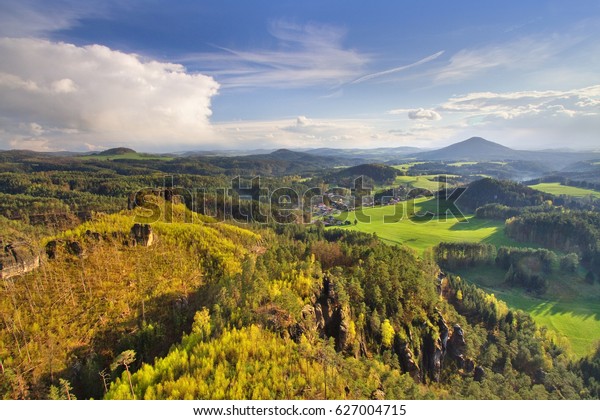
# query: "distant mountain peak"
480,141
474,148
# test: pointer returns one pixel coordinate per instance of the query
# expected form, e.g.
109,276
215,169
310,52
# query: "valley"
128,275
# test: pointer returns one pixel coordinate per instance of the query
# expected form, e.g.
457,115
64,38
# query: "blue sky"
196,75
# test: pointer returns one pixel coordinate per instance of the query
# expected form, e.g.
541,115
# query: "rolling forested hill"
100,301
196,309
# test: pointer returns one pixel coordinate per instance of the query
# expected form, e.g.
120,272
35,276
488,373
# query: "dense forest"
100,299
568,231
278,163
373,174
340,313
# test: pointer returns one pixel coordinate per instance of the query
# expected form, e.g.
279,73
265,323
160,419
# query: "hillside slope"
508,193
100,291
295,312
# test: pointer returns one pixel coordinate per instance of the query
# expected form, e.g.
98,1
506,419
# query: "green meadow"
418,182
407,224
407,165
570,308
556,188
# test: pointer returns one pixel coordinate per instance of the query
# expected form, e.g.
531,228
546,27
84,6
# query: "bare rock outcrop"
75,248
326,317
457,346
142,234
335,318
433,357
17,259
407,359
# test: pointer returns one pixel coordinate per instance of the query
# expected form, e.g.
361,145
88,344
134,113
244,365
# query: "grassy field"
558,189
570,308
421,181
400,224
406,166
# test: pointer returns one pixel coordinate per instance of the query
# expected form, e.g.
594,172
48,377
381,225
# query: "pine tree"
125,359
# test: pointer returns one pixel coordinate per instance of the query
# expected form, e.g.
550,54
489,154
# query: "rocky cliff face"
335,318
439,348
326,317
424,349
17,259
171,194
408,364
142,234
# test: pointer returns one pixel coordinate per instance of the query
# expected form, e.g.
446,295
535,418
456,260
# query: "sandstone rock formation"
457,346
407,360
142,234
17,259
423,349
326,317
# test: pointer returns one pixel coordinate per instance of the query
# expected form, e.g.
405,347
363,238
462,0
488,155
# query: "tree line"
525,267
569,231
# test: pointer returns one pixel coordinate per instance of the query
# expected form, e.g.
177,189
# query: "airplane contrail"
396,69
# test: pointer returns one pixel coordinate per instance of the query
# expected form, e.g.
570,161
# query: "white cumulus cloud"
417,114
531,118
73,95
424,114
508,105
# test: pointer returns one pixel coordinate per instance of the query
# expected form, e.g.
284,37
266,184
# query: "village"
333,205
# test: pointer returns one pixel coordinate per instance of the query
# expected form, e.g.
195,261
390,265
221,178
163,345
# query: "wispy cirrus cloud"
397,69
521,119
521,54
306,55
29,18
